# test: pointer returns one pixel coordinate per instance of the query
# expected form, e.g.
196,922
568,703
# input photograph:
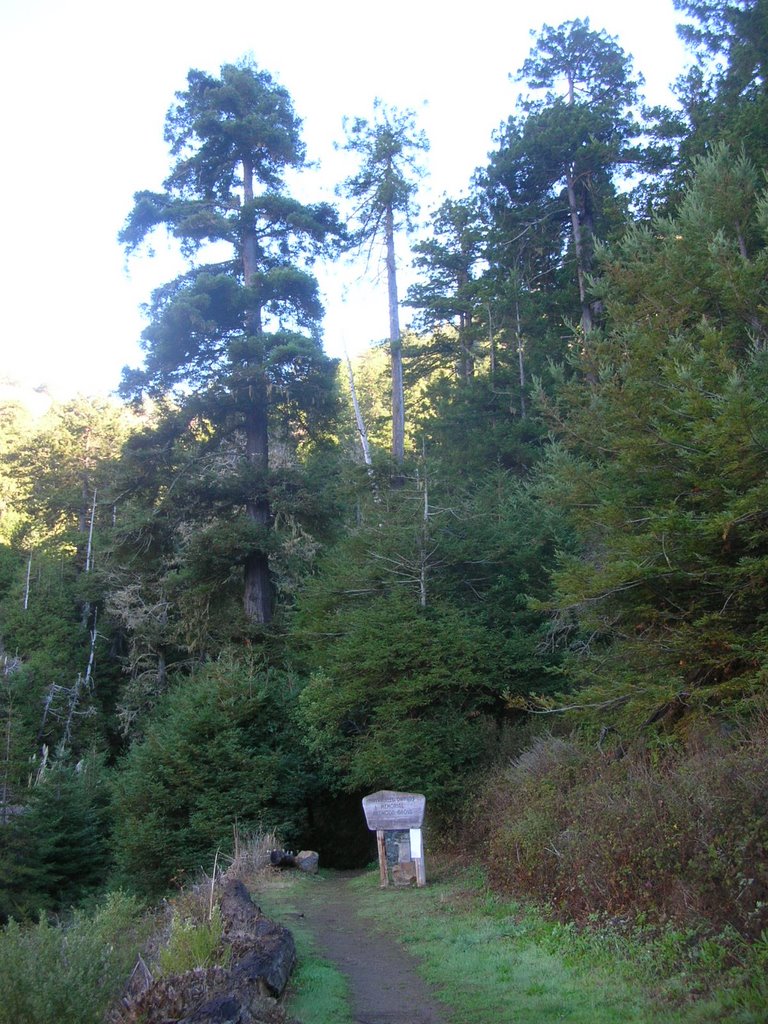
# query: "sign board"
396,818
388,809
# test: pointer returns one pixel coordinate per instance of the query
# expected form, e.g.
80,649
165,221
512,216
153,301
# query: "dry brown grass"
674,834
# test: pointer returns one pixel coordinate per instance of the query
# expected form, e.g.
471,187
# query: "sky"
86,86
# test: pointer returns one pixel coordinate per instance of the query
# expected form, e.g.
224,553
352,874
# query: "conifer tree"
724,95
550,182
448,297
383,190
661,462
237,340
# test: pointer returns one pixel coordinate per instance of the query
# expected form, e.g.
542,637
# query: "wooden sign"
396,818
388,810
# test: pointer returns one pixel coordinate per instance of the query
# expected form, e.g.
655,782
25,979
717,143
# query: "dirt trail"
385,986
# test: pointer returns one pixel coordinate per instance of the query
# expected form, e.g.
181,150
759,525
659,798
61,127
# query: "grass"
192,945
493,961
318,993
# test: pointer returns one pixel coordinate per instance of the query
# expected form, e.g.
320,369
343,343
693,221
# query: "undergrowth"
69,972
192,944
666,848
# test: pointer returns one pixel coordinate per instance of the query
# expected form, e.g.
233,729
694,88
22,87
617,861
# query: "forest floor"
448,954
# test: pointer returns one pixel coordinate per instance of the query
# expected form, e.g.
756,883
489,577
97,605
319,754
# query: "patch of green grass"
192,945
318,993
492,961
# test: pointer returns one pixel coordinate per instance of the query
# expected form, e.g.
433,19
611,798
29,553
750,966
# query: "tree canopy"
237,340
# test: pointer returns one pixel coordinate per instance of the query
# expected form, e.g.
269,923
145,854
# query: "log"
263,956
305,860
282,859
264,953
228,1009
220,1010
239,914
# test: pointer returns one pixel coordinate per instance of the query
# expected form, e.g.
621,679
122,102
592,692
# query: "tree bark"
578,245
359,421
520,360
467,359
257,595
395,345
257,584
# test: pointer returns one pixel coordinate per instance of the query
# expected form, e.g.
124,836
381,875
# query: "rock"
308,861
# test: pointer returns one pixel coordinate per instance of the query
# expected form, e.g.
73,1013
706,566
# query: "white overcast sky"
86,85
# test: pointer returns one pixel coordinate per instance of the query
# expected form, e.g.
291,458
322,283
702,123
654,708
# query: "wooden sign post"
396,818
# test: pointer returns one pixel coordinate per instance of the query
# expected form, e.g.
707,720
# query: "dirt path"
385,986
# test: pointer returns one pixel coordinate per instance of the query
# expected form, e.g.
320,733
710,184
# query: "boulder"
308,861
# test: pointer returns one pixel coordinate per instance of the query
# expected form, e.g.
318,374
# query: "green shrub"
68,973
192,944
219,752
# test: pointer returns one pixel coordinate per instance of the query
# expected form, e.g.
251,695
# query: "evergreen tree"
383,191
15,422
237,341
724,95
448,296
550,183
57,852
221,750
661,461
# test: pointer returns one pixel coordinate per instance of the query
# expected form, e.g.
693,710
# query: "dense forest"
515,557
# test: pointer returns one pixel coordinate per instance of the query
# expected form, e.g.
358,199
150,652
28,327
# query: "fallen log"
228,1009
263,955
305,860
282,859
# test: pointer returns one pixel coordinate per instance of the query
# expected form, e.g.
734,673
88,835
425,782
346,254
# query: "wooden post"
383,870
421,873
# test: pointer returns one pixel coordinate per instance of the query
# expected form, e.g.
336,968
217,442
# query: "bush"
57,852
68,973
219,753
675,835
